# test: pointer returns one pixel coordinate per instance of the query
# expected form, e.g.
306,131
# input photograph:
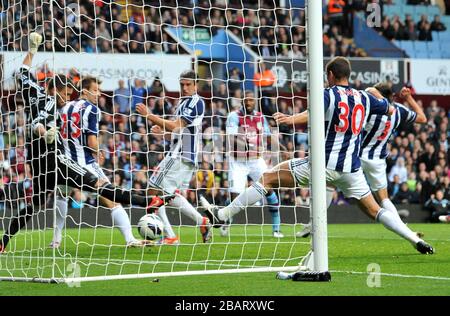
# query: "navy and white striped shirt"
346,113
185,142
78,119
379,129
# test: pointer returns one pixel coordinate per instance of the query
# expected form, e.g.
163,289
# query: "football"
150,227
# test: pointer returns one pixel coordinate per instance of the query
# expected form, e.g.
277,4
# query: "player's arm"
421,118
35,41
44,125
270,138
379,105
166,125
300,118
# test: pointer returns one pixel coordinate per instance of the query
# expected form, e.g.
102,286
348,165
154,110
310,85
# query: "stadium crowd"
417,167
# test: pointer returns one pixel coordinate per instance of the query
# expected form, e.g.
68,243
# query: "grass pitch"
353,250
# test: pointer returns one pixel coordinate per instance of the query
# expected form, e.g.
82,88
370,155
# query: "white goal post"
138,49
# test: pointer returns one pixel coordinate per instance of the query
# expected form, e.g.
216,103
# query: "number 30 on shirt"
344,124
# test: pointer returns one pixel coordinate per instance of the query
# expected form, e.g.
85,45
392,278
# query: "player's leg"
72,174
307,228
60,220
375,173
354,185
119,216
280,176
256,170
238,175
43,173
172,175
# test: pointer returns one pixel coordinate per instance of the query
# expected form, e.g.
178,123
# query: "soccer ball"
150,227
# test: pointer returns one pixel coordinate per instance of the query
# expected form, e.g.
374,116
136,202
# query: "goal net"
139,49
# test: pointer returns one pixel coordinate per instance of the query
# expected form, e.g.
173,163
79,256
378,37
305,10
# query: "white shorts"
352,184
172,174
375,172
241,170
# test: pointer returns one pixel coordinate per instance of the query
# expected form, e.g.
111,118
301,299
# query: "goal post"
317,136
139,50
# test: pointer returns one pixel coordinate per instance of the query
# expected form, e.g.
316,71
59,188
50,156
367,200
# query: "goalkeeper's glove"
35,41
50,135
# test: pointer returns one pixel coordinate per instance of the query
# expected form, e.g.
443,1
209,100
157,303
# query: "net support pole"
317,136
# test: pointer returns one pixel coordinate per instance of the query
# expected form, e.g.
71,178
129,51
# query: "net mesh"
139,49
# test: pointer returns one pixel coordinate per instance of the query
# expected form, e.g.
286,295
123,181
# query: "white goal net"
242,53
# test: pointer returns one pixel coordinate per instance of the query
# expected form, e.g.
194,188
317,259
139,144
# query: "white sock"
394,223
388,205
167,226
250,196
121,220
61,214
187,209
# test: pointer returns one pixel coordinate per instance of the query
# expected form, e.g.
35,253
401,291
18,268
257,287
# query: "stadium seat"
420,46
444,36
420,9
434,45
435,54
435,35
446,20
421,54
445,53
408,9
408,46
433,10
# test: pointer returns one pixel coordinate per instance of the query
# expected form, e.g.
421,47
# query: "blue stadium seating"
436,54
439,47
420,46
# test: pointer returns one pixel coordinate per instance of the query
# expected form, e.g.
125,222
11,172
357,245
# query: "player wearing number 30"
346,112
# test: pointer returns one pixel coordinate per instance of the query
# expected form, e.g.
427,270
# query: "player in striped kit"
376,134
247,130
175,171
346,112
48,164
78,134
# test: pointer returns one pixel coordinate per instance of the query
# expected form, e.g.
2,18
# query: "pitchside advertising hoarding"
431,76
108,67
367,70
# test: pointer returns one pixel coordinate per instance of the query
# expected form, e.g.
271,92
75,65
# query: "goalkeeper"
42,154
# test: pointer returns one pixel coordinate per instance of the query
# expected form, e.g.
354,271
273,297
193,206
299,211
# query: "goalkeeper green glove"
35,41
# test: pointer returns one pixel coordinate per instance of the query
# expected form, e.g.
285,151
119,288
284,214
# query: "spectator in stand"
138,93
122,98
338,199
264,79
403,196
424,28
438,206
437,25
335,11
394,186
302,199
157,87
235,80
399,170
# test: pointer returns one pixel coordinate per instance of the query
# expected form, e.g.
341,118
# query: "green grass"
351,249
